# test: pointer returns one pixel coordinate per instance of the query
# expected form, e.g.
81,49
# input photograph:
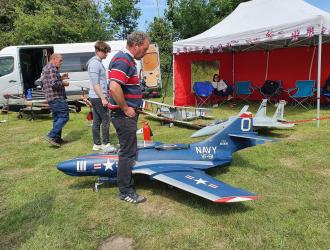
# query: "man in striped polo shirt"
125,98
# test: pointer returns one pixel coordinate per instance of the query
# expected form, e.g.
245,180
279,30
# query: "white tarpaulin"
260,21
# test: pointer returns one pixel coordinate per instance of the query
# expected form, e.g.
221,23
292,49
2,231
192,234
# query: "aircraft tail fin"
243,110
279,112
262,109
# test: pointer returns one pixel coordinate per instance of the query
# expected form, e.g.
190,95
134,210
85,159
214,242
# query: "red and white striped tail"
236,199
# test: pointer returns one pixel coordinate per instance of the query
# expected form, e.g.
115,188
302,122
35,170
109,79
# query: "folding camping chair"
203,92
302,93
243,90
271,90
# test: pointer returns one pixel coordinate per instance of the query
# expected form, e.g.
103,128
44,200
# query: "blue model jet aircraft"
180,165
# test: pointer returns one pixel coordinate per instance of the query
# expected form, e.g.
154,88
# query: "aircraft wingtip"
236,199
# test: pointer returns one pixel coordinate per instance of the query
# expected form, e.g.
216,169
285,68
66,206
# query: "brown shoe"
51,141
61,141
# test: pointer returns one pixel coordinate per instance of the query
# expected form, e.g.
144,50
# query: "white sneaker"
97,147
108,148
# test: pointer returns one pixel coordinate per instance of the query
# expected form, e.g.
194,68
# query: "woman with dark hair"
221,88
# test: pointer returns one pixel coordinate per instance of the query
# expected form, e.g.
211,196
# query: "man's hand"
65,76
104,102
129,111
65,83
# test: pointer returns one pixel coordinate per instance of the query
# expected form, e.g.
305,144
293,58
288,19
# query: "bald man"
54,88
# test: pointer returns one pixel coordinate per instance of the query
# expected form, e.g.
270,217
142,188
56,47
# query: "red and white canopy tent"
259,40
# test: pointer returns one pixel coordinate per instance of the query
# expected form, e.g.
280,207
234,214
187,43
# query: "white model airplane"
260,121
176,114
277,121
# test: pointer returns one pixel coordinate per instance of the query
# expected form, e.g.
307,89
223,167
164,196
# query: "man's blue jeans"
60,110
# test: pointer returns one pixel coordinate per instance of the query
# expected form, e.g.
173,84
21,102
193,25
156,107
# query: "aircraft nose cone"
65,166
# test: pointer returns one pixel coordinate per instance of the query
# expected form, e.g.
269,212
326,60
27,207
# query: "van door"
150,74
32,60
9,77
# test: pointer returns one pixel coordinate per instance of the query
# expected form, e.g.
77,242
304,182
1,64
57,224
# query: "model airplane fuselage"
175,114
181,165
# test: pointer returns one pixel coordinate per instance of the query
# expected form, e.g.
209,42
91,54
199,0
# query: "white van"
21,66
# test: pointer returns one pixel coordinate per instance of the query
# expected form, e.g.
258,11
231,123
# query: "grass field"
41,208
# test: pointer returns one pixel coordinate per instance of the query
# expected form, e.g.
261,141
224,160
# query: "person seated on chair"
221,88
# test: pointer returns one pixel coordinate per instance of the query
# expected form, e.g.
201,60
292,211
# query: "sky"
149,10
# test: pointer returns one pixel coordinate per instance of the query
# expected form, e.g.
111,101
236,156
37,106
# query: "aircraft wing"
275,125
199,183
172,120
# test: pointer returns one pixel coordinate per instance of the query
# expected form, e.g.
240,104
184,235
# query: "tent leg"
319,77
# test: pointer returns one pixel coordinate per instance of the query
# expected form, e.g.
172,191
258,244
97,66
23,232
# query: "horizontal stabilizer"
203,185
253,137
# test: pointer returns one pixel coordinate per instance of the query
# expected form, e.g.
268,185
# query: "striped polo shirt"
122,69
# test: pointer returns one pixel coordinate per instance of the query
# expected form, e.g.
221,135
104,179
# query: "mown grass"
42,208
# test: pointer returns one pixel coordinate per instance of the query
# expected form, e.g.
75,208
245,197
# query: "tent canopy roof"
260,21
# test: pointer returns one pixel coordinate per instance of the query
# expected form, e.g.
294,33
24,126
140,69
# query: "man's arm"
58,81
94,78
118,96
98,91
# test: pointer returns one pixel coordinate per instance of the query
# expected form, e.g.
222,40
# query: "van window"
6,65
75,62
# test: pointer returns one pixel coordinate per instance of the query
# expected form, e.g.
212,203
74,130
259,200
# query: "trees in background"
160,32
49,21
61,21
192,17
123,16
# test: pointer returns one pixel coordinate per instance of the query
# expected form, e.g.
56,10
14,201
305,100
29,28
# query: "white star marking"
201,181
108,165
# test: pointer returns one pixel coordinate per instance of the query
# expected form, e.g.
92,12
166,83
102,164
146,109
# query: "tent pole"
319,76
311,65
267,62
233,69
173,84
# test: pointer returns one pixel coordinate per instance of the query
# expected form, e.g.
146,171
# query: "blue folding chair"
243,90
203,92
303,93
